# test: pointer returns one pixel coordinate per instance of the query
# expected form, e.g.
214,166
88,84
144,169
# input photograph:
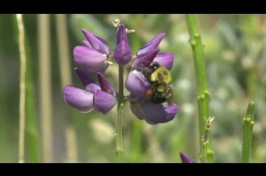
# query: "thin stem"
247,132
205,141
203,95
45,86
118,135
22,89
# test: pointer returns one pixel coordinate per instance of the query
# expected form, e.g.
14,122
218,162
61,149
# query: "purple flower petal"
105,85
96,42
92,87
165,59
84,78
185,158
78,98
122,34
136,84
89,59
137,110
87,82
87,43
93,71
159,113
151,45
103,101
122,53
146,59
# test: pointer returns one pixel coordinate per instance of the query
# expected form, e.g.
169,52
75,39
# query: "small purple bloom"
145,60
121,34
136,83
149,53
185,158
154,113
99,96
151,45
122,53
96,42
78,98
93,56
165,59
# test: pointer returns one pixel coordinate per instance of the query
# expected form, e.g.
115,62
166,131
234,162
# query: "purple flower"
136,83
151,45
99,96
185,158
122,53
93,56
154,113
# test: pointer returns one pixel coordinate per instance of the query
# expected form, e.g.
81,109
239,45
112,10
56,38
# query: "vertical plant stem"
63,49
248,123
65,76
118,135
45,86
137,138
203,95
22,88
32,137
205,140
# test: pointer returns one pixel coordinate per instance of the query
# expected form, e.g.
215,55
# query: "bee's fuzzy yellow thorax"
161,74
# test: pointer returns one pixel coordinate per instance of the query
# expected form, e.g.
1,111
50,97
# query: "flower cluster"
144,86
99,96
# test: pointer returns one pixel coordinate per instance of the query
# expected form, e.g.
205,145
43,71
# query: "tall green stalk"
22,97
45,86
118,135
32,141
248,123
203,95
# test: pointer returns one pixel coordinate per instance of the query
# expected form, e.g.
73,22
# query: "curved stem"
203,95
22,88
118,135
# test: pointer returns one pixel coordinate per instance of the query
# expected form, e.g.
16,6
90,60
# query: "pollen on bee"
148,93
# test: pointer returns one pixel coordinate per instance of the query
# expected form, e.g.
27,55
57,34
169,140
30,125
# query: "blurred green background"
235,55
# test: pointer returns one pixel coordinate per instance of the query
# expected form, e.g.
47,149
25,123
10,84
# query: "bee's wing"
169,99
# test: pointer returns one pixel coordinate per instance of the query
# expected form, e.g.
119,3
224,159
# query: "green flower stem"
22,89
203,95
247,132
205,141
118,135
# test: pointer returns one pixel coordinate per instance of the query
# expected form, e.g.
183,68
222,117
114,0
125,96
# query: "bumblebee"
161,87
